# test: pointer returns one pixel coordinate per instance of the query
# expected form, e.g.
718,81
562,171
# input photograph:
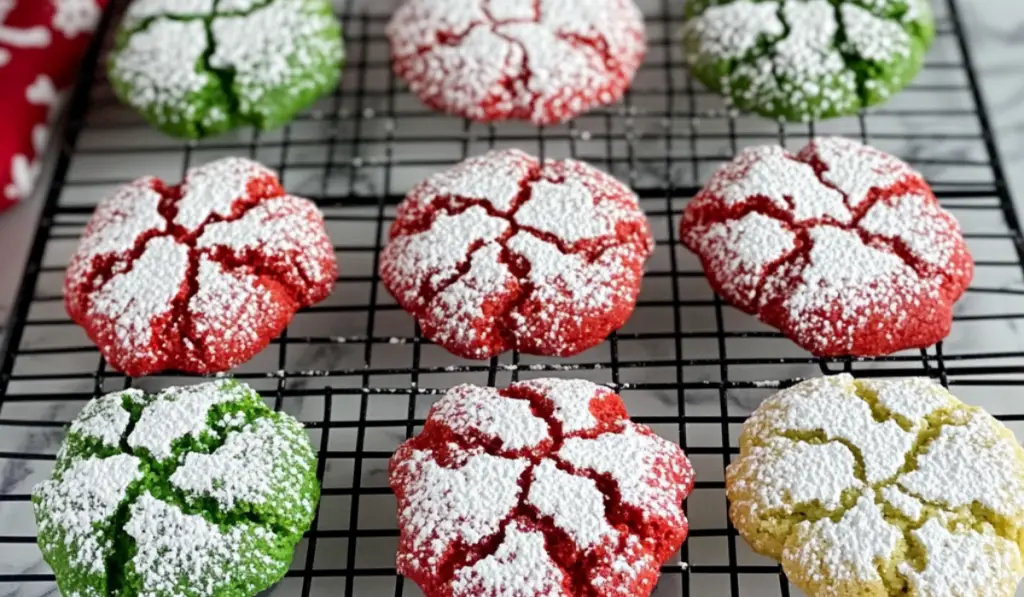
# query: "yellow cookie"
881,487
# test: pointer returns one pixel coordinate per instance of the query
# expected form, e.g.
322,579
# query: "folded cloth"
41,45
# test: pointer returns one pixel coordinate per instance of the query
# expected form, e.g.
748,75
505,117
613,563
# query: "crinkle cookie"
807,59
881,488
842,247
198,491
201,67
504,252
542,489
201,276
544,61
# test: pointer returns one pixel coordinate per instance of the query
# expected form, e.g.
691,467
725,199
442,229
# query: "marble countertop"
995,32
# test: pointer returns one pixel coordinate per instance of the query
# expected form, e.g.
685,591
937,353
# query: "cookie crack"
879,412
597,43
851,60
576,564
466,555
122,543
180,307
446,38
894,245
520,82
431,291
819,436
225,78
937,421
252,263
485,6
802,249
258,4
102,268
194,343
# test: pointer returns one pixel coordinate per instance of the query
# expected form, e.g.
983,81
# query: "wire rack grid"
357,371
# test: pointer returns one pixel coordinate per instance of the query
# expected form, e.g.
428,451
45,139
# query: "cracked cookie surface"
842,247
881,487
506,252
545,61
201,67
544,488
198,277
801,60
198,491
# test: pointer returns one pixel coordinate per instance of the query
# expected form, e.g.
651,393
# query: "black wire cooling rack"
359,374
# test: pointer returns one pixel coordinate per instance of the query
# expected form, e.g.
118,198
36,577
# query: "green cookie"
197,68
198,491
801,60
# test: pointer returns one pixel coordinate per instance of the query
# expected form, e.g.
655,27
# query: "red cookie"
842,247
504,252
544,488
545,61
198,277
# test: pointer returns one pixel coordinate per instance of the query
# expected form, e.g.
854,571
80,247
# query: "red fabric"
41,45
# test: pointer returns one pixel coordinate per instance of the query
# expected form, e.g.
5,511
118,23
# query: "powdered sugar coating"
737,267
142,10
953,490
905,504
492,60
71,508
520,567
913,399
854,168
459,492
570,401
289,47
575,504
178,552
183,501
201,277
105,418
844,551
179,412
166,82
968,464
842,247
984,564
286,230
831,407
731,30
469,409
504,251
258,466
805,59
779,473
442,505
216,189
201,67
117,226
134,305
645,468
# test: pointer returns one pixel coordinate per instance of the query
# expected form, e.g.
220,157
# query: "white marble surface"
995,30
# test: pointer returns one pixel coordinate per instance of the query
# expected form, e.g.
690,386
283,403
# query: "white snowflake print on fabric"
75,17
25,170
29,37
